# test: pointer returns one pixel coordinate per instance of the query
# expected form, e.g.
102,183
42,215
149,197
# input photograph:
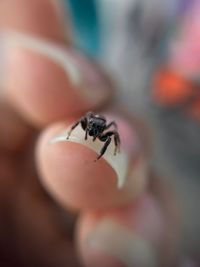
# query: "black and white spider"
96,125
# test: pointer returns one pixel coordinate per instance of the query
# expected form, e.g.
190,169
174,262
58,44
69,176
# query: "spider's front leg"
107,139
83,122
117,142
86,134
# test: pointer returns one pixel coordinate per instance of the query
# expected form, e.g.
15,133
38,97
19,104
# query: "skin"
38,213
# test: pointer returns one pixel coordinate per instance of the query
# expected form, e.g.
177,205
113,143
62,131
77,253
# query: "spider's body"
95,125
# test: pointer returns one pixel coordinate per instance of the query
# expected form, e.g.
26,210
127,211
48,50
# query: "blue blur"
85,25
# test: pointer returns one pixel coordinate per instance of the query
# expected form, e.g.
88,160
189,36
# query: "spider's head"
96,126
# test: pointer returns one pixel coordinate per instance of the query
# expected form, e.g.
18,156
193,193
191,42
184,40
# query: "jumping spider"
94,125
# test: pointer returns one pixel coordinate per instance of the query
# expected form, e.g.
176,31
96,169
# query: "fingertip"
46,81
69,171
133,235
44,78
92,257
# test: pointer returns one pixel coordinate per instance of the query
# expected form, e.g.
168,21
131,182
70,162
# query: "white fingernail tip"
118,162
54,52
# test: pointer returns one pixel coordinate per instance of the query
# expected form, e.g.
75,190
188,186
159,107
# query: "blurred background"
151,48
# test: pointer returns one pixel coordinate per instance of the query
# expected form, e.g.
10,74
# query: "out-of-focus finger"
13,129
35,17
41,230
46,82
134,235
70,173
44,79
40,18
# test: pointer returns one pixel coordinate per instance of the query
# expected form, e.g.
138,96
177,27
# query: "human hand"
46,85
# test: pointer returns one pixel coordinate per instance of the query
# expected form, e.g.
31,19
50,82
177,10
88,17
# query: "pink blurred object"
185,47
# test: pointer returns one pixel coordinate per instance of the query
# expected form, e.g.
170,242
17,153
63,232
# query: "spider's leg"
72,128
117,142
86,134
107,142
116,139
106,137
83,122
84,126
112,123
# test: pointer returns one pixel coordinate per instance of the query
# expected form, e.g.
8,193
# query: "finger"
134,235
42,231
70,173
40,18
13,129
45,80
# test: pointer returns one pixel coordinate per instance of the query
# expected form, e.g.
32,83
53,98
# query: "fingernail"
82,74
115,240
119,162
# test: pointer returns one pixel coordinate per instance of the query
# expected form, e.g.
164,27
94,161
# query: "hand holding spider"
38,189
